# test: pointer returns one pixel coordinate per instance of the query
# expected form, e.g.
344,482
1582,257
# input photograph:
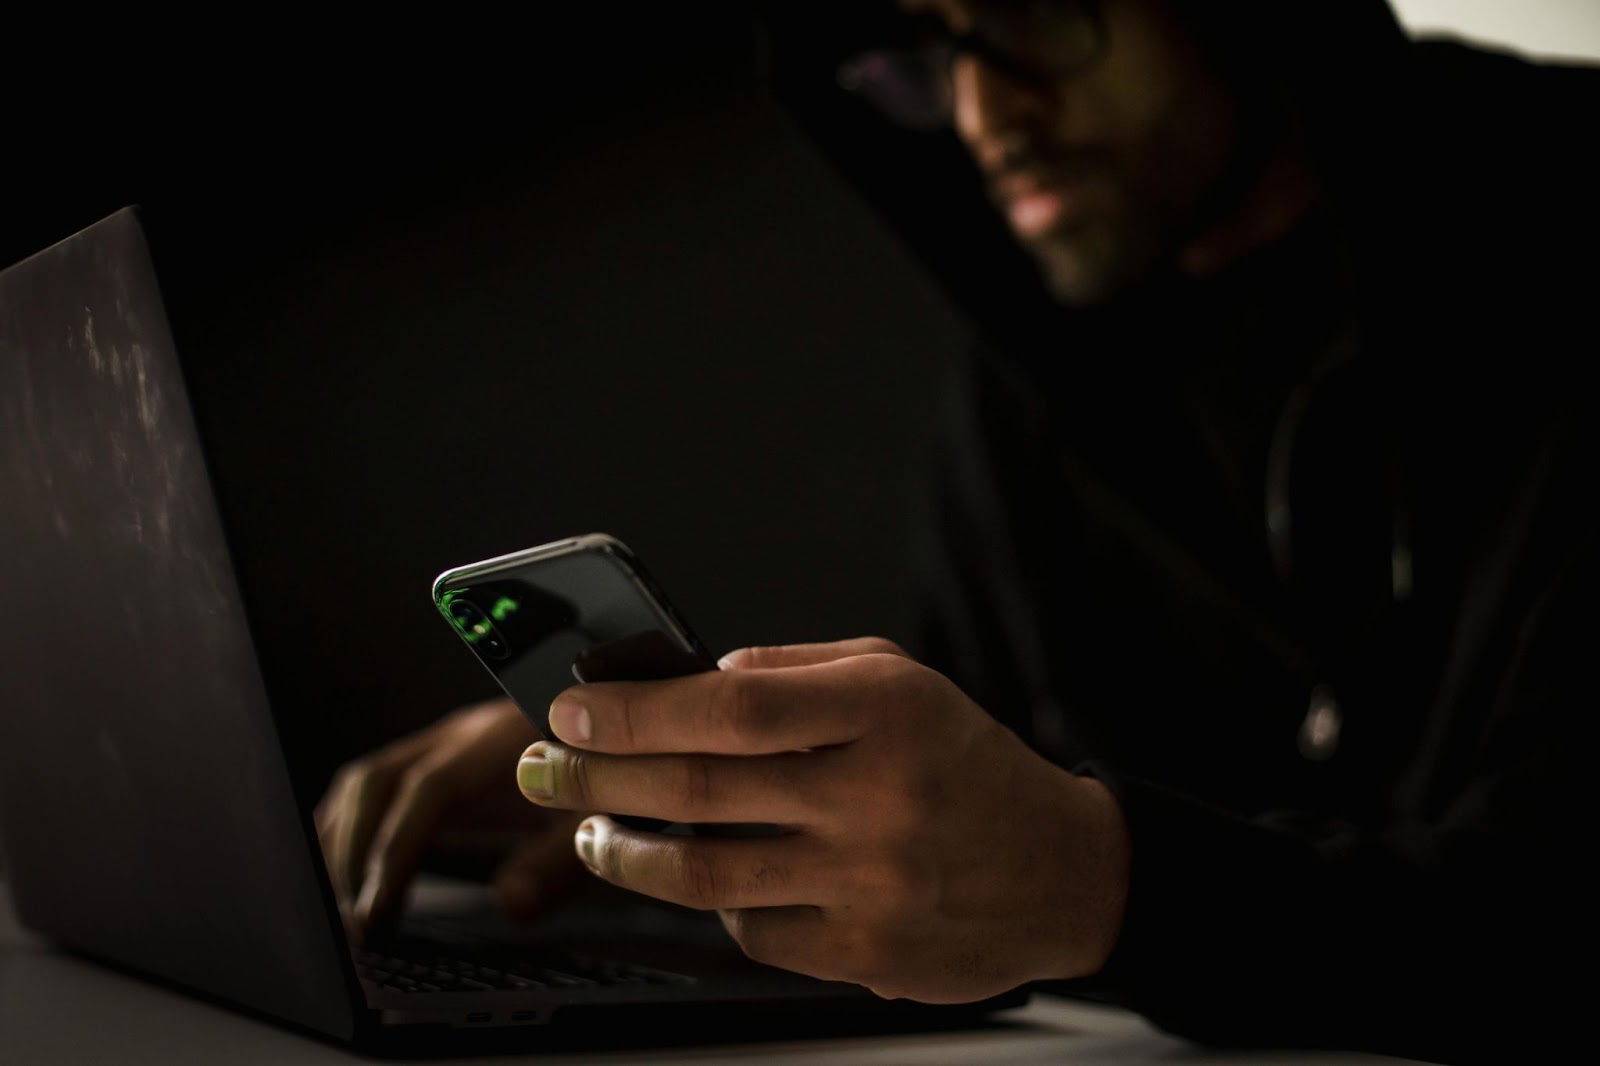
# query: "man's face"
1102,174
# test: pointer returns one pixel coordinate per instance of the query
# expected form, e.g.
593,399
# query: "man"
1250,695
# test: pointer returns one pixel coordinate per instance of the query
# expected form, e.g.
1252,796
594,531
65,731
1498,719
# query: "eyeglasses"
1034,41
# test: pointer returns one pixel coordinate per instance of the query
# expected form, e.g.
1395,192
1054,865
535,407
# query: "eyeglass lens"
1035,40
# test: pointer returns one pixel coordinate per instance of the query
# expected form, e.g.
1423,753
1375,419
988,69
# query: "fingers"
736,711
771,658
350,813
706,873
409,823
778,789
362,797
778,897
383,810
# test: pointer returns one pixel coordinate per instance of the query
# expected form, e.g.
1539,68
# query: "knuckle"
357,786
573,775
700,878
770,877
757,657
423,786
735,710
366,779
696,785
882,646
348,778
891,673
913,696
626,719
341,776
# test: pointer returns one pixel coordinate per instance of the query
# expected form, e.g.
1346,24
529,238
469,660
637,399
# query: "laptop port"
480,1016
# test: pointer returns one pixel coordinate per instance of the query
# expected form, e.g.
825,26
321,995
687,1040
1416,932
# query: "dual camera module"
478,629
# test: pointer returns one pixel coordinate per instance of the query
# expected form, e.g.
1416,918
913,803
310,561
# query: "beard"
1094,260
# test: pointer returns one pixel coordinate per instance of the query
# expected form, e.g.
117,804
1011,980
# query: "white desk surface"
57,1010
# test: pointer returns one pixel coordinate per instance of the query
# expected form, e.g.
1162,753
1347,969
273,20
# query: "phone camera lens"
477,630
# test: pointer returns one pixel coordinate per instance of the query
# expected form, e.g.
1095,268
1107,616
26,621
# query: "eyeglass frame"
941,53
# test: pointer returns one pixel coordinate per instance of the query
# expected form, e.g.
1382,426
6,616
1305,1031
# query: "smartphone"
580,609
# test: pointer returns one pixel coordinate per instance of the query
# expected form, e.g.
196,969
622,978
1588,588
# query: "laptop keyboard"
419,972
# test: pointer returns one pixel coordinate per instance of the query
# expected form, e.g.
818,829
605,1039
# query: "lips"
1039,211
1037,203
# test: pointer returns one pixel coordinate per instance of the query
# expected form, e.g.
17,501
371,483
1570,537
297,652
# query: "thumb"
541,870
776,657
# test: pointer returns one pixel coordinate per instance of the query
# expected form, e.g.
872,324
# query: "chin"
1091,268
1075,282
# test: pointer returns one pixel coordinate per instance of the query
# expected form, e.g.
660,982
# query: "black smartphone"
583,608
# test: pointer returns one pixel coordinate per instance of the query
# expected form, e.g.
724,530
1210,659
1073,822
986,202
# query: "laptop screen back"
145,808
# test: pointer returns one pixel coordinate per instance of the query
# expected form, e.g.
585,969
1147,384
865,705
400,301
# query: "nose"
990,105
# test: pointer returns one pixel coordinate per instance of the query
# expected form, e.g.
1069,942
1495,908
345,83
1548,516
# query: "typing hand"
448,782
930,854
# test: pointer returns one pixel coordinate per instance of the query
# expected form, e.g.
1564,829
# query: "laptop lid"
146,811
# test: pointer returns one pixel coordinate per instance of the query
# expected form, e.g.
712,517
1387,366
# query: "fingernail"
569,721
584,841
535,776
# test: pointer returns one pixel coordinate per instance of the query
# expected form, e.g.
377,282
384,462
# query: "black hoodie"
1298,559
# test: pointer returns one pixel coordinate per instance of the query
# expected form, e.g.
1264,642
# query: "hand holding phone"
581,608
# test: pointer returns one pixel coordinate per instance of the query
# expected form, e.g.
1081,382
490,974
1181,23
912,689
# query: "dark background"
447,291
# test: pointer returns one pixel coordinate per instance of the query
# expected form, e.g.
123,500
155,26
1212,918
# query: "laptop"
149,815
